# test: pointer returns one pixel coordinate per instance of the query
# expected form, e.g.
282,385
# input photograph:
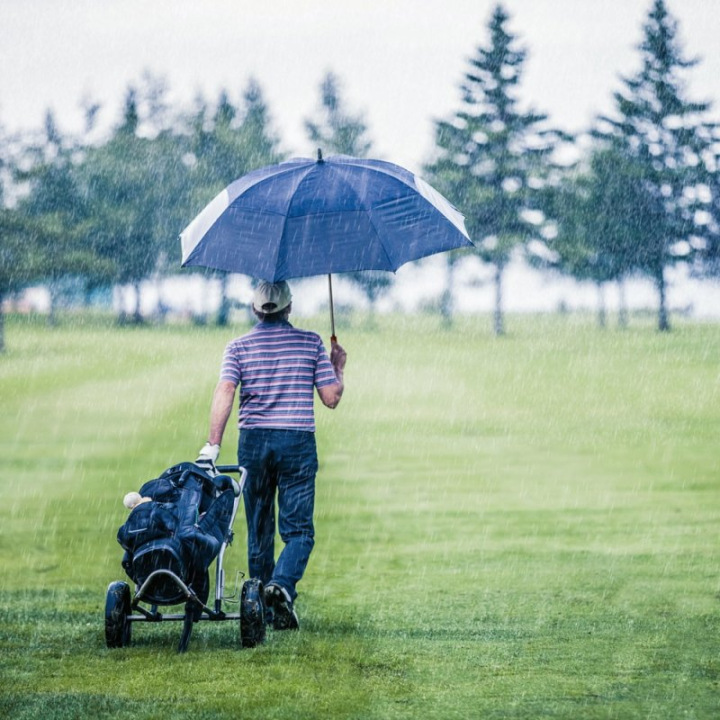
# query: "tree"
708,246
598,217
230,144
491,156
137,193
14,258
663,138
259,140
55,211
19,258
336,130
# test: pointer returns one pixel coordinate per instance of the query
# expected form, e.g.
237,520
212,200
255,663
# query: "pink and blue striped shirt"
277,368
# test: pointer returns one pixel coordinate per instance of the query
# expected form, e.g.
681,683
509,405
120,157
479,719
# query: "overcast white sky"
400,61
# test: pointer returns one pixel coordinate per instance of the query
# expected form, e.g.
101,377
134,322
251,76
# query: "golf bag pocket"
148,521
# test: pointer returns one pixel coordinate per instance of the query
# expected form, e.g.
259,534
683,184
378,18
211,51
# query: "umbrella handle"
333,337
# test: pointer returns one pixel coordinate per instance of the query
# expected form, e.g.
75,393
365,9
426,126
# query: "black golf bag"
181,530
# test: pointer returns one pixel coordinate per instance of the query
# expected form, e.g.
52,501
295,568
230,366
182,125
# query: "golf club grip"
227,468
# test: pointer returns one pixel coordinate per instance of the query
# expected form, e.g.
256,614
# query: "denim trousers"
280,463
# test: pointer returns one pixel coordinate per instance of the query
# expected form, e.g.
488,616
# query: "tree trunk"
119,295
498,323
87,295
137,314
2,324
52,320
663,320
446,299
602,311
223,315
372,317
622,304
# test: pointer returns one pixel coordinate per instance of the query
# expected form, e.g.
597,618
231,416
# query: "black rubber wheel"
252,614
117,613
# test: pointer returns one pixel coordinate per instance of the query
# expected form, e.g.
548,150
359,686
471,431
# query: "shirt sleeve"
230,369
324,372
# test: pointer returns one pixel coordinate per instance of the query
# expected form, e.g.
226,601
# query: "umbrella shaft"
332,311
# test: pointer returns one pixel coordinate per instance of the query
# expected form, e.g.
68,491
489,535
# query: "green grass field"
518,528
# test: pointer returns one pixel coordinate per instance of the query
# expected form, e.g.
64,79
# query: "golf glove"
208,457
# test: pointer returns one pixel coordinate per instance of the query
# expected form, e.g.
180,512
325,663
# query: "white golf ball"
131,499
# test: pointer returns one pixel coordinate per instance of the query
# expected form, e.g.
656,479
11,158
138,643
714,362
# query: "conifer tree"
233,142
337,131
664,139
135,188
594,236
55,212
492,155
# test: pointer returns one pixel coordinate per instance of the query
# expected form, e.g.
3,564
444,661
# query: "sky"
400,62
400,65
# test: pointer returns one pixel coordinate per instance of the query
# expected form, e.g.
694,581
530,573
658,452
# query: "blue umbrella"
309,217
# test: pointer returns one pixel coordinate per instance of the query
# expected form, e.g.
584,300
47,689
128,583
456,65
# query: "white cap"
271,297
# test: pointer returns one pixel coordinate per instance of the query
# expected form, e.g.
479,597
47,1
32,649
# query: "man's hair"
278,316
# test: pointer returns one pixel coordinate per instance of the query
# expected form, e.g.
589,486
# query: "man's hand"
338,357
331,394
207,458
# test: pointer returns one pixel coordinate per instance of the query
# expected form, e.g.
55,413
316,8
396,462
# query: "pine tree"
595,233
54,210
708,264
20,258
492,155
664,139
233,142
135,188
340,132
337,130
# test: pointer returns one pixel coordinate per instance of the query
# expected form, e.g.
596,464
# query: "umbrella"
308,217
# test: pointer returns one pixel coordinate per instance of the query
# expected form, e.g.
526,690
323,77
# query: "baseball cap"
271,297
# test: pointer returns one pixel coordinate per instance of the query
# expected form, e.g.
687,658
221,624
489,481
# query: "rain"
507,214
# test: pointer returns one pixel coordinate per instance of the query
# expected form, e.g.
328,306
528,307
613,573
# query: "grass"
514,528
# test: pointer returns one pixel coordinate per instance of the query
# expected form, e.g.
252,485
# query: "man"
277,368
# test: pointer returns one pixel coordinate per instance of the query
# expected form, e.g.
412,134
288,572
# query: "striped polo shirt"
277,368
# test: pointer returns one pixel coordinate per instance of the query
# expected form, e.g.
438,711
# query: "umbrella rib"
286,216
279,245
381,240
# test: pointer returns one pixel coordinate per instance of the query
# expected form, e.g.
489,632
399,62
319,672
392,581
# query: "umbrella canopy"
313,217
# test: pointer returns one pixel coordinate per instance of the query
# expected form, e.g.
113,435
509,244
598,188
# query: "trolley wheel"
252,614
188,622
117,614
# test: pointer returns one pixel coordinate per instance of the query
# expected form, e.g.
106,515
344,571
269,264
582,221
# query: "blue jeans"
283,462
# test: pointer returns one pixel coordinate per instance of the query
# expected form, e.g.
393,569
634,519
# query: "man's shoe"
277,599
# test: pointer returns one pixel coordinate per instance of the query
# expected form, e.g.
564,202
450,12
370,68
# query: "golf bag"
181,529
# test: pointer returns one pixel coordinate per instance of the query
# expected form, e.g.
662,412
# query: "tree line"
642,195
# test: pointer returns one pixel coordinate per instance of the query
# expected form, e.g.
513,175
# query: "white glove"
207,458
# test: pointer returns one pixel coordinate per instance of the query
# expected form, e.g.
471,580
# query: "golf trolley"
163,577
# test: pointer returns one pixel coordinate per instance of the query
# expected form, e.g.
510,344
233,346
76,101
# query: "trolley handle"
234,469
229,468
